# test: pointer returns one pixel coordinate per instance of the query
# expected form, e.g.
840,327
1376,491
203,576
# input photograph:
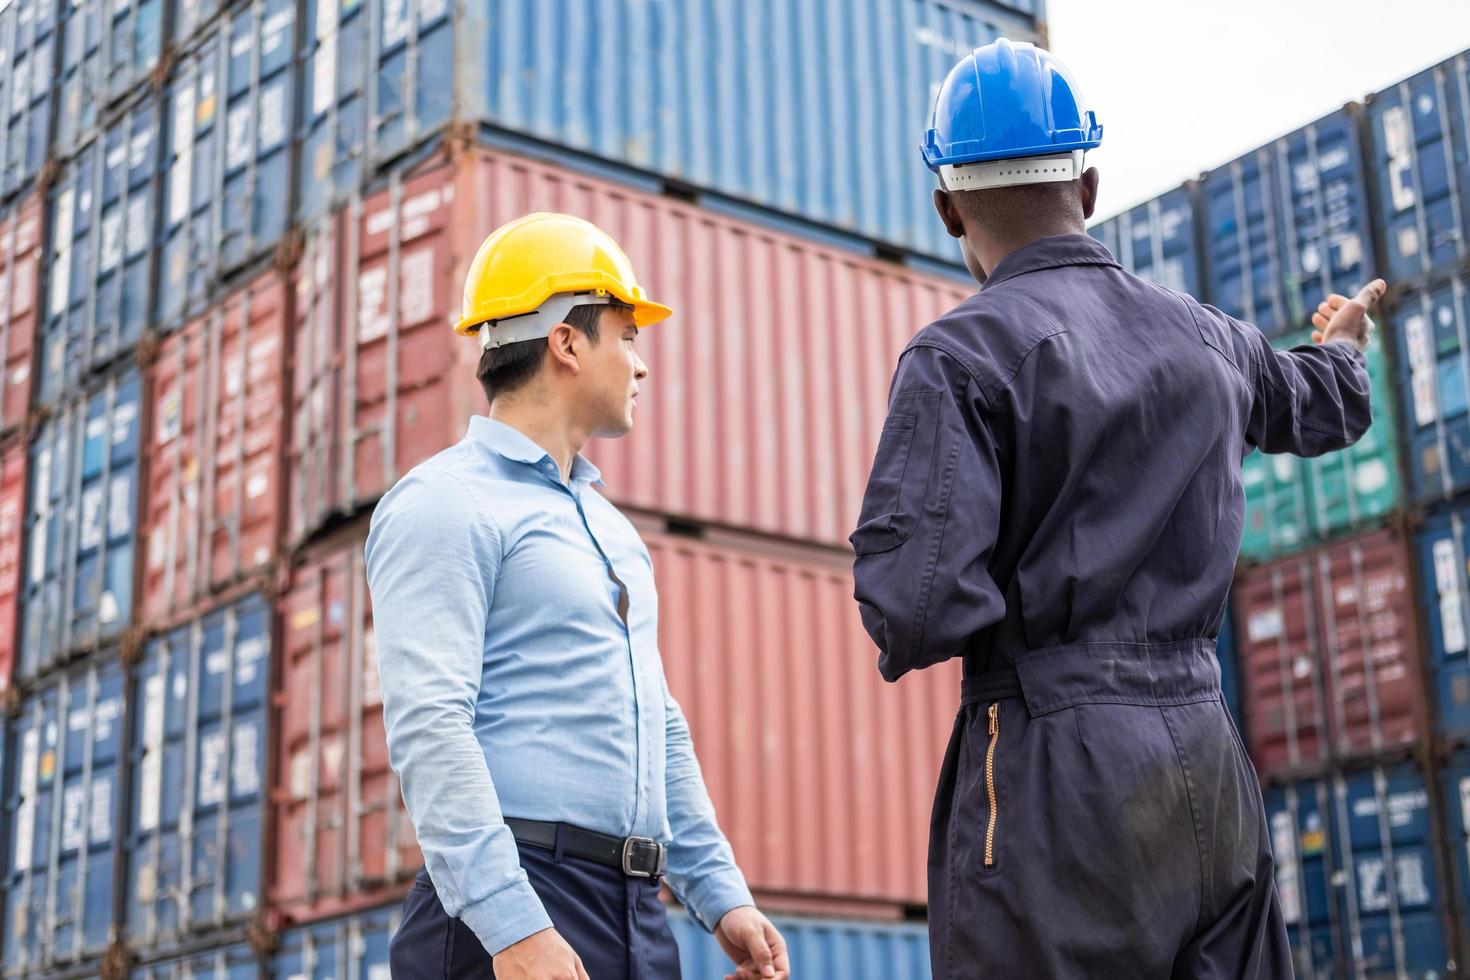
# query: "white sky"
1182,86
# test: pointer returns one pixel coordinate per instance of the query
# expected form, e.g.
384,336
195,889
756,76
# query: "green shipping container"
1293,503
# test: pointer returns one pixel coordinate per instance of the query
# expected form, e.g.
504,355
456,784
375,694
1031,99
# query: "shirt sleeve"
1309,400
702,870
929,519
432,561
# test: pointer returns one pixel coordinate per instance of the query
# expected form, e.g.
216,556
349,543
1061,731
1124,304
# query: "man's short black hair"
507,369
1003,209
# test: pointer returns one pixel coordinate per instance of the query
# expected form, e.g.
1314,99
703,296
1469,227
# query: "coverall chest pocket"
900,478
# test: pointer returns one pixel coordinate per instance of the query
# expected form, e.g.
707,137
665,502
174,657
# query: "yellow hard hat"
529,261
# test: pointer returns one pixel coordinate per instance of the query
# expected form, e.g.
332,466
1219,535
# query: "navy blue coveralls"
1056,499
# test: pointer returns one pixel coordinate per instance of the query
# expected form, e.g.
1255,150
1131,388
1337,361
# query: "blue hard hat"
1008,100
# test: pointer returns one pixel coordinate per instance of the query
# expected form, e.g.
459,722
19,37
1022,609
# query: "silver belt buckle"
628,846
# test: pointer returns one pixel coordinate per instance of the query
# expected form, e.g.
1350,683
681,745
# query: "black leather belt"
636,857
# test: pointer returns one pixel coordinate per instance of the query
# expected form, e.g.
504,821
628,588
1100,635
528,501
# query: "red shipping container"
20,294
13,469
213,512
1329,658
768,385
821,774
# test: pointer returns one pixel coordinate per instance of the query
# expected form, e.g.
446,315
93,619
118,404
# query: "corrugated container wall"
819,948
855,829
343,838
197,777
20,306
108,49
1445,596
27,80
1434,381
1156,240
1228,654
101,258
1456,784
1357,874
12,518
1330,666
235,962
227,150
767,389
1287,224
213,511
1291,502
710,95
78,588
352,947
62,796
1421,170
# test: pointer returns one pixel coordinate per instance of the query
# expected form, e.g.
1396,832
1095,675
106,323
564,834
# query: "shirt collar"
1050,253
514,445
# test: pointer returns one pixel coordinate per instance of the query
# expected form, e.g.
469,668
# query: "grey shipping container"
1287,224
1156,240
1421,171
813,108
108,48
77,589
61,810
100,262
27,81
227,150
197,777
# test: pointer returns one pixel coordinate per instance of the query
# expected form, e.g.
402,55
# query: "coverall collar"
1050,253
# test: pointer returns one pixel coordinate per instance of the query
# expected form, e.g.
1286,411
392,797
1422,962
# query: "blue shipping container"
850,949
101,257
1421,167
1287,224
1229,658
61,803
198,777
235,962
1445,598
1457,830
1357,876
356,946
27,80
108,48
227,150
716,96
1156,240
77,589
1434,384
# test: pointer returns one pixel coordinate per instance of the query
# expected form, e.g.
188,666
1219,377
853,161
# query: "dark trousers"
1129,836
616,924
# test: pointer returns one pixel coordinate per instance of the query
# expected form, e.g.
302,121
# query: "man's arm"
929,519
432,560
1314,399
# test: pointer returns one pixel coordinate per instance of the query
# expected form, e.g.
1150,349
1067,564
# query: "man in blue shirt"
548,772
1056,501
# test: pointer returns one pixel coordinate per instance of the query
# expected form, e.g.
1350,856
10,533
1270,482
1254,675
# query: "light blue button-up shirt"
513,686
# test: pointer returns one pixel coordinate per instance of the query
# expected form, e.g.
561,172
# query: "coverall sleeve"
432,561
929,519
702,870
1309,400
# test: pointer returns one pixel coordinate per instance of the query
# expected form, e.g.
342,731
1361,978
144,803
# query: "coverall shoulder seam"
1194,318
988,392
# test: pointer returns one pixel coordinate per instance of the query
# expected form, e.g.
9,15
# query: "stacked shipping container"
1350,683
230,236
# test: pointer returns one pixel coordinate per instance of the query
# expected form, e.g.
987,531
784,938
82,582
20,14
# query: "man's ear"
949,213
1089,191
567,347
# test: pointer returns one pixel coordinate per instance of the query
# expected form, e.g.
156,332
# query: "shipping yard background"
230,243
